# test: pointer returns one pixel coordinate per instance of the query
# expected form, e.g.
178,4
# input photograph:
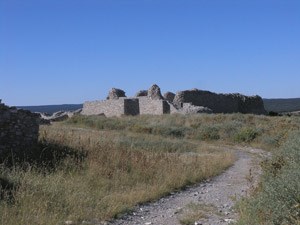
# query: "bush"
246,135
209,133
278,201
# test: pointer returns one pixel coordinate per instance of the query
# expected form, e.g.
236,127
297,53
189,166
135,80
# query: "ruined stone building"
221,103
117,104
185,102
18,130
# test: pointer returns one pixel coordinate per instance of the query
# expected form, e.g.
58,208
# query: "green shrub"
230,129
208,133
246,135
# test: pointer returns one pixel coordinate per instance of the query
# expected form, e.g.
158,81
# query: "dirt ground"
210,202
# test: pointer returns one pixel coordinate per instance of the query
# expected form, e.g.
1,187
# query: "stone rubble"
58,116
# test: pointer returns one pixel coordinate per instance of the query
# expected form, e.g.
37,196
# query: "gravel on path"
213,199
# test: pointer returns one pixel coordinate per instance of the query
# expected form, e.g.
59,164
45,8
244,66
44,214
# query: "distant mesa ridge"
281,105
50,109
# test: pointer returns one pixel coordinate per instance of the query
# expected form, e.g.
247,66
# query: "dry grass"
101,167
112,178
259,131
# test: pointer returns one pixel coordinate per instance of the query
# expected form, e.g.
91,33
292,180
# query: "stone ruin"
169,96
221,103
141,93
152,103
115,93
183,102
19,130
154,93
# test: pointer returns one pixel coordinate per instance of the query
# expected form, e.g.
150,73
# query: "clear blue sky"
69,51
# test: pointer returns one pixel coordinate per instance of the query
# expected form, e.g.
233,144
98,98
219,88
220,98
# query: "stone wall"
153,107
113,107
126,106
19,130
184,102
131,107
221,103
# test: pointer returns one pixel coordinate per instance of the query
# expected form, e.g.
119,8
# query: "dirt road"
210,202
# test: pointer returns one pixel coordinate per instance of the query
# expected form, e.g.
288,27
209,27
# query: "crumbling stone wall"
114,107
154,93
184,102
221,103
153,107
115,93
19,131
146,102
169,96
141,93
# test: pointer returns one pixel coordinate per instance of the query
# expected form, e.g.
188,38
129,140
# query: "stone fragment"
154,93
115,93
169,96
141,93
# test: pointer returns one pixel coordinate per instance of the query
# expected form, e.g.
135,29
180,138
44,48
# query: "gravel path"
211,201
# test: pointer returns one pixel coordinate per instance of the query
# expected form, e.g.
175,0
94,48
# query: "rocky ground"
210,202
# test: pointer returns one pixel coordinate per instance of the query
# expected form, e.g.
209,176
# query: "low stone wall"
126,106
153,107
19,130
113,107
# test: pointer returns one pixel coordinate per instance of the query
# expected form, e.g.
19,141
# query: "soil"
210,202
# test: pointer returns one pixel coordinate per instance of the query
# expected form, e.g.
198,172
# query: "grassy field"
94,168
260,131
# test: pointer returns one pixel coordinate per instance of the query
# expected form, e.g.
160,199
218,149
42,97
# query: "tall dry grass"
260,131
115,172
93,168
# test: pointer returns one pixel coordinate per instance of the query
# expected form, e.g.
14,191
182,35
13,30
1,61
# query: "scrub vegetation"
96,168
277,199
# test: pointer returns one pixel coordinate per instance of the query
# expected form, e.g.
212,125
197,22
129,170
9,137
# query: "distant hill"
52,108
282,105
